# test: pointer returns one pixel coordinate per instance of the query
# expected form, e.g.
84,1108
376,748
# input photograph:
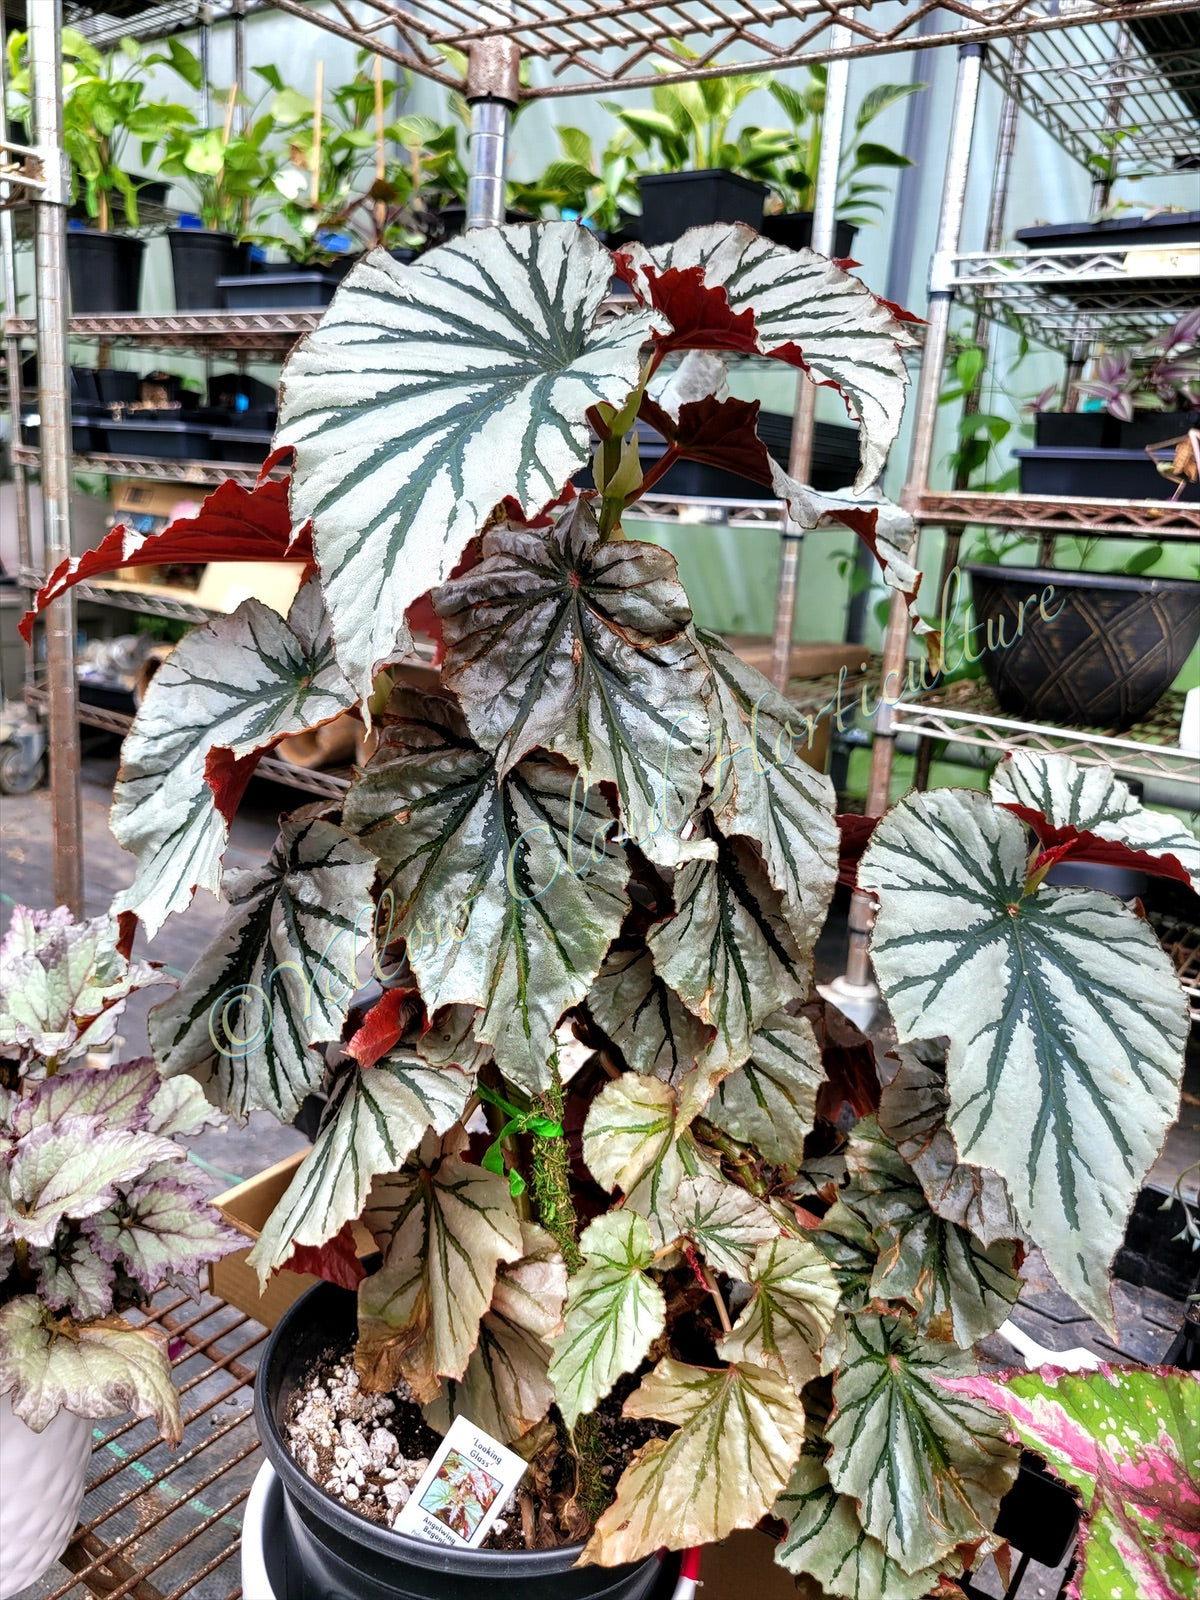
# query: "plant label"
464,1489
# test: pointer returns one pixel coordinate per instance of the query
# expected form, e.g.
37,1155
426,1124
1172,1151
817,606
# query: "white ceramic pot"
43,1477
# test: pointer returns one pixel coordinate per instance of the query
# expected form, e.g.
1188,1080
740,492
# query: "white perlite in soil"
360,1447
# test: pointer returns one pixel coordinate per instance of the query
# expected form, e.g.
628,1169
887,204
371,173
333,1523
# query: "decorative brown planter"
1111,649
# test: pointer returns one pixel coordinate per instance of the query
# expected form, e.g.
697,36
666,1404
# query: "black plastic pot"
834,462
82,437
1075,430
335,1552
673,202
1167,229
1152,427
278,291
117,386
794,229
172,441
105,271
199,258
1097,474
1112,646
239,444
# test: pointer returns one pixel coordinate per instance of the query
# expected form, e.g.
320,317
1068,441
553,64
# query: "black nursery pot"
1075,430
673,202
794,229
199,257
1113,646
105,271
278,291
331,1550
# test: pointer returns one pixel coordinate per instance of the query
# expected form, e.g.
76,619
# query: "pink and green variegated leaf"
826,1541
798,307
1094,801
121,1095
506,1389
1065,1018
739,1431
501,901
644,1018
912,1114
97,1369
764,790
444,1227
770,1103
376,1117
72,1169
402,450
729,954
614,1313
1128,1439
228,692
788,1318
73,1278
279,976
62,984
160,1228
927,1467
555,640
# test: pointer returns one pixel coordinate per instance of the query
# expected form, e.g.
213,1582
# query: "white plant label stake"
464,1489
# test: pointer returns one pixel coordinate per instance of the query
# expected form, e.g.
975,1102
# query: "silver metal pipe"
804,416
490,123
8,257
895,645
54,406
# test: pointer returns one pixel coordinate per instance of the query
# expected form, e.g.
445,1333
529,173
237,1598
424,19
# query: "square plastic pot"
105,270
673,202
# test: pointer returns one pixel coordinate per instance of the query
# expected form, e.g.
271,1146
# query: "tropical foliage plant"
563,923
689,127
105,108
94,1212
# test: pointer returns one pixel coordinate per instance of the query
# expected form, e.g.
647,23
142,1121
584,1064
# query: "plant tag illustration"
464,1489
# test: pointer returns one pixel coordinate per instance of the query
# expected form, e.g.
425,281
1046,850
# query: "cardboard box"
225,584
247,1208
163,501
744,1564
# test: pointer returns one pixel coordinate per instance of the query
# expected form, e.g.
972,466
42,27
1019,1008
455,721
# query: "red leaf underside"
721,433
336,1261
233,524
1061,844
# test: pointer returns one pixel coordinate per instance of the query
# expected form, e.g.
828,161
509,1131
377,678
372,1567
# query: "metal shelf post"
804,417
54,405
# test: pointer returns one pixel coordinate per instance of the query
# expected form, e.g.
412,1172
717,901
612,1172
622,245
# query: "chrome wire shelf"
625,44
159,1524
1181,941
268,333
1050,514
145,602
157,469
967,713
1058,297
1079,82
331,785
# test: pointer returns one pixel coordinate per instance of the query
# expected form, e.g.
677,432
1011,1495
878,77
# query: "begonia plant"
95,1210
601,1127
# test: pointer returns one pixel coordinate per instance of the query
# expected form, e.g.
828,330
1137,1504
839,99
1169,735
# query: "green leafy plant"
352,207
224,169
93,1214
794,177
688,129
594,829
598,189
104,109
